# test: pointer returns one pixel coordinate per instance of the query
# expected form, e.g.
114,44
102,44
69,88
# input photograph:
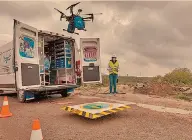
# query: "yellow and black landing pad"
96,109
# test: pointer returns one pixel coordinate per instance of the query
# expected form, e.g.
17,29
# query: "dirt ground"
157,89
132,124
127,93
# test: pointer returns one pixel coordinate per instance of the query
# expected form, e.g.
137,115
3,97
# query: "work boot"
115,92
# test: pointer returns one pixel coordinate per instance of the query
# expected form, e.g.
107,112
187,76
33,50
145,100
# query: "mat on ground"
96,109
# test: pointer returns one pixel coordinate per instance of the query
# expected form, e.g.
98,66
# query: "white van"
38,62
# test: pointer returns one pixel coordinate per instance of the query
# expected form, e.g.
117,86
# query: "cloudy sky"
149,38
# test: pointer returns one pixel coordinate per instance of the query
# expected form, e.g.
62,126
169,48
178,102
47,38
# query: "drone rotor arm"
87,20
62,14
92,15
60,11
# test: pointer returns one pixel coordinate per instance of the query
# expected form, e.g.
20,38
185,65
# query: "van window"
27,47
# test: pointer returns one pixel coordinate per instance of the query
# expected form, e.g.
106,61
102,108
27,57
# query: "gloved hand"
109,69
116,69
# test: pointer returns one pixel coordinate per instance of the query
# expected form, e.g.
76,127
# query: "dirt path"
139,98
134,124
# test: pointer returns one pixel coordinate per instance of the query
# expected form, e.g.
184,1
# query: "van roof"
54,35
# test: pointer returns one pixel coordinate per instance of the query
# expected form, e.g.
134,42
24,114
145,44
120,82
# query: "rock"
189,91
184,88
140,85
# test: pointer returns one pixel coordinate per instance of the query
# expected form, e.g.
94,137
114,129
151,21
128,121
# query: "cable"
52,101
83,88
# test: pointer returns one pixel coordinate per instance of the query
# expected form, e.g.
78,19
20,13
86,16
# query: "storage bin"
68,55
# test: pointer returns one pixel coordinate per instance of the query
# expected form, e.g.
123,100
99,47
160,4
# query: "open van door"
90,60
26,56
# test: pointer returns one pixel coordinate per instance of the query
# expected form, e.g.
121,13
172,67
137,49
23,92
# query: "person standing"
113,68
78,72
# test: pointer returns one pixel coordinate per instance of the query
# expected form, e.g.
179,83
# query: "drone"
75,20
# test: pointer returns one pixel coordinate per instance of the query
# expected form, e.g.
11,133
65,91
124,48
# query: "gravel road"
132,124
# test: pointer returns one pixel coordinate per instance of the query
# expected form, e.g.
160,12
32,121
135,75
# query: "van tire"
64,93
21,96
37,96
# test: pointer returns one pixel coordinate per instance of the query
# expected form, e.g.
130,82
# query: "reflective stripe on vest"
114,67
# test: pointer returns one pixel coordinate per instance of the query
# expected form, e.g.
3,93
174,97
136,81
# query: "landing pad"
96,109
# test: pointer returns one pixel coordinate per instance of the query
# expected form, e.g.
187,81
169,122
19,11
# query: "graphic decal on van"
90,53
7,58
26,48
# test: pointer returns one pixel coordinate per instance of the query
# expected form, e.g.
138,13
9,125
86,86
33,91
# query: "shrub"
179,76
158,79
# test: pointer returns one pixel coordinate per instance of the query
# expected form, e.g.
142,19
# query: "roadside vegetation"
179,76
177,83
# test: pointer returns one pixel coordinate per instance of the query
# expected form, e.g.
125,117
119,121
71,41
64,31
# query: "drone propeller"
71,7
62,14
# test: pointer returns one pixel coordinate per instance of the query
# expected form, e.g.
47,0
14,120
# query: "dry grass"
183,97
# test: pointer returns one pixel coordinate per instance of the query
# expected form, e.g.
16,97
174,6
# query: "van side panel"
7,75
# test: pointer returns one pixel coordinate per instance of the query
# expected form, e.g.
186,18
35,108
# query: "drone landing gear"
71,33
76,33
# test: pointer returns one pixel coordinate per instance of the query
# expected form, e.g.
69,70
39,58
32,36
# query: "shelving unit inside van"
61,57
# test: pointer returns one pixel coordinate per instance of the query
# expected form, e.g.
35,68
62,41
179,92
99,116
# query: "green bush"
179,76
158,79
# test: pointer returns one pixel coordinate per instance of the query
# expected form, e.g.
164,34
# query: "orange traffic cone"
5,112
36,133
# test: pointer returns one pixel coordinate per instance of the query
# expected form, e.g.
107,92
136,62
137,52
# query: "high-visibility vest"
114,67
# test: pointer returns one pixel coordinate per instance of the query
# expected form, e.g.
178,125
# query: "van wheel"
21,96
64,93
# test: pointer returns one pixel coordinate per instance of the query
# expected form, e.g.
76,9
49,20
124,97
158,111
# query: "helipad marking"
96,109
112,110
87,114
104,113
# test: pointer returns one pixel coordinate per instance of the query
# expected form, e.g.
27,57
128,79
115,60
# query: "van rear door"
90,60
26,55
